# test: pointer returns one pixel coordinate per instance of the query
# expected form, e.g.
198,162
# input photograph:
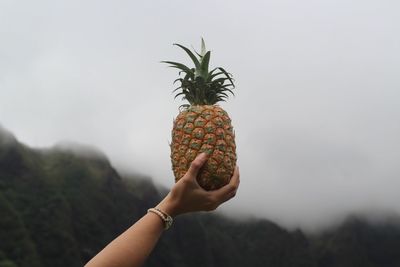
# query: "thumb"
196,165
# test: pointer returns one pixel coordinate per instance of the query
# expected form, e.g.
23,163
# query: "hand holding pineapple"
133,246
188,196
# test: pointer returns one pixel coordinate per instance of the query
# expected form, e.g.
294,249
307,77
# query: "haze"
316,110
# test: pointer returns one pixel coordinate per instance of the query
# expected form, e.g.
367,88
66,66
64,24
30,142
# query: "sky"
316,109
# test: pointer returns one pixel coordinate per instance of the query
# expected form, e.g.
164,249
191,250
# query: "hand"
187,195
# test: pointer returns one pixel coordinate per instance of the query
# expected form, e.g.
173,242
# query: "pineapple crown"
198,85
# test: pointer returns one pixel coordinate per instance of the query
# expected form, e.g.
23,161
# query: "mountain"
60,206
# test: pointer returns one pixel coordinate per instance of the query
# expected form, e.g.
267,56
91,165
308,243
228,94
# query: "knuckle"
211,207
238,176
231,187
196,164
212,203
211,199
185,181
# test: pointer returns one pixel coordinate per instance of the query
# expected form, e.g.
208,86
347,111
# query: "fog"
316,110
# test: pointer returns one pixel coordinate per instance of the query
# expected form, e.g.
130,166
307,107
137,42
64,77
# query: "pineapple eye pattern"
214,138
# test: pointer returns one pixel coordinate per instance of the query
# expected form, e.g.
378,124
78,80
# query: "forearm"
133,246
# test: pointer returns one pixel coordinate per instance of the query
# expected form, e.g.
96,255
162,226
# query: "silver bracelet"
164,217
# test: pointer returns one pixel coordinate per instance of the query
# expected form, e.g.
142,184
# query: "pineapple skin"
204,128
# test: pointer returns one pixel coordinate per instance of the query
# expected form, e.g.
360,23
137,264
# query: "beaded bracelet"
165,217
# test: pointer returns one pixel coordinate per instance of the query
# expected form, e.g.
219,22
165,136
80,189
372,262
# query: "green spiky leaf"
199,86
191,55
203,47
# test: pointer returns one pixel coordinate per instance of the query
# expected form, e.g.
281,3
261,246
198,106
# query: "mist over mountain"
316,103
60,206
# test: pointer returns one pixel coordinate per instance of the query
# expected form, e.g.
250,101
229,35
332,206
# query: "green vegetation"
59,209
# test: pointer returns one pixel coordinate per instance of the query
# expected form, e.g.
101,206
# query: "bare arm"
133,246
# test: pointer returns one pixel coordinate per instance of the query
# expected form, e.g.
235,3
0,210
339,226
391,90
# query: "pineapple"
203,126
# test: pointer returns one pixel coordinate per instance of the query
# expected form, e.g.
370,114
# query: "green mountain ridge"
60,206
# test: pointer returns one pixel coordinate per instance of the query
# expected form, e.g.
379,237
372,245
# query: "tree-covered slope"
60,206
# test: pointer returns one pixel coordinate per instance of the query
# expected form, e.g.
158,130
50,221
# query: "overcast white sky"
316,110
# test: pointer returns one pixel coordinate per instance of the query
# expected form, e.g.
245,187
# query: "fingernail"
203,156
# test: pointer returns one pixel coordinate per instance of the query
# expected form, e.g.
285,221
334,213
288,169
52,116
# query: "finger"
228,191
196,165
235,180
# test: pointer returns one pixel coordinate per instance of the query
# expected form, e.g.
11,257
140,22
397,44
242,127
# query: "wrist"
168,206
168,220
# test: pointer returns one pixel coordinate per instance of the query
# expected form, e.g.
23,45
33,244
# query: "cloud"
316,106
